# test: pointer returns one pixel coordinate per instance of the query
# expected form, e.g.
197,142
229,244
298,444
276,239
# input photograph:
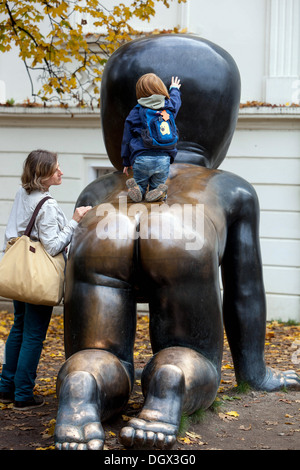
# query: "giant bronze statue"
119,256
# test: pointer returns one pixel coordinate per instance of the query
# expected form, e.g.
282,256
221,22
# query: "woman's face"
55,179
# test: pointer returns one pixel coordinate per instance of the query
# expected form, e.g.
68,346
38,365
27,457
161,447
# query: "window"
103,171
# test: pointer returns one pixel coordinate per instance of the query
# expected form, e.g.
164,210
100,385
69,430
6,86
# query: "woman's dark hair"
38,167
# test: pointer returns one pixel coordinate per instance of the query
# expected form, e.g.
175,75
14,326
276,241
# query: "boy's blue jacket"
132,144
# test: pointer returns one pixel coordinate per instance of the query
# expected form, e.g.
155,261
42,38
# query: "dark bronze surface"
119,256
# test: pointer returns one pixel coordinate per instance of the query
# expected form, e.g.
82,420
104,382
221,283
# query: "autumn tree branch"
71,53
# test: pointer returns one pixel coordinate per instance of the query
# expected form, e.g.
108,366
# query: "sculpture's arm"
244,303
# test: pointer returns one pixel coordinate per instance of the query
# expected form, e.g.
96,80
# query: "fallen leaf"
5,406
270,334
243,428
233,413
228,416
185,440
193,435
46,448
49,431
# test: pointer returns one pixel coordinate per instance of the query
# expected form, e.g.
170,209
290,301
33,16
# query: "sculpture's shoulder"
196,179
237,195
220,191
234,185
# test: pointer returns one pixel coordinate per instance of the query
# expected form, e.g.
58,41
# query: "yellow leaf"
50,391
4,406
186,440
50,430
46,448
233,413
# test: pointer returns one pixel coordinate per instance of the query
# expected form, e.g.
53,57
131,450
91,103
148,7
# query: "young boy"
150,159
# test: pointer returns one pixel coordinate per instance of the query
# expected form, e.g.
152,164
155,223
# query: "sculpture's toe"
127,436
95,444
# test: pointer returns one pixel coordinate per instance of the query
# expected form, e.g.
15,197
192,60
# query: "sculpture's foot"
78,426
276,380
157,424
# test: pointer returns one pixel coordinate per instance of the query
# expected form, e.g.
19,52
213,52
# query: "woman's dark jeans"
23,349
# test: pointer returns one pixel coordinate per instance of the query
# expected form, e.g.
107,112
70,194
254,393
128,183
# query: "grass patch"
216,405
184,424
186,420
243,387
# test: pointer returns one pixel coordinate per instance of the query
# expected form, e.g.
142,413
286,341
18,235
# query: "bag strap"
35,213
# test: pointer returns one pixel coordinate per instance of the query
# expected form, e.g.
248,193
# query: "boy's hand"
175,82
125,170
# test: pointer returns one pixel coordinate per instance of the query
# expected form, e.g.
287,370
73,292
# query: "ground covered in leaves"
239,419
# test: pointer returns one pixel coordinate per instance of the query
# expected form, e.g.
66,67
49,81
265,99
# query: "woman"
24,344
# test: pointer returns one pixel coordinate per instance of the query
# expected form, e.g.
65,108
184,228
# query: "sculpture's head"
210,94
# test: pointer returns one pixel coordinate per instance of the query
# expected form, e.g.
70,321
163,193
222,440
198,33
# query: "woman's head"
150,84
40,171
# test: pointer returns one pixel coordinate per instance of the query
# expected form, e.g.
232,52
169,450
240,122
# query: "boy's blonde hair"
150,84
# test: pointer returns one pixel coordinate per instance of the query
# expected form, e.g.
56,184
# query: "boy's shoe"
157,194
6,397
34,402
134,191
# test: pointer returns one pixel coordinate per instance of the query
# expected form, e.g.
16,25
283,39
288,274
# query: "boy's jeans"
152,170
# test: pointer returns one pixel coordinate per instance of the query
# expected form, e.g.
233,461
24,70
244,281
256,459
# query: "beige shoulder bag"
28,273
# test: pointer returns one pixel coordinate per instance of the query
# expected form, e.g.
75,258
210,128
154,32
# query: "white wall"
239,27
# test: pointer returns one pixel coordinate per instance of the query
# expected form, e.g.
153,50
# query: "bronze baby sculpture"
119,257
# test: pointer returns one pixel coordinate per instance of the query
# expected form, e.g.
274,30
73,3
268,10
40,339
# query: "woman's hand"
80,212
